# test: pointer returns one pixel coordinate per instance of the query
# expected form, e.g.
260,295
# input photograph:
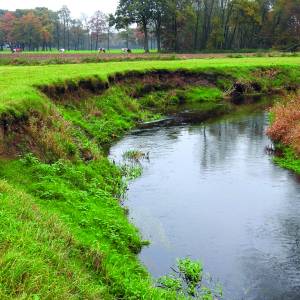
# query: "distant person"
62,50
101,50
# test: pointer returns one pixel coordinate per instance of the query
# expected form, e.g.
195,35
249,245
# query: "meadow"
18,90
28,58
64,229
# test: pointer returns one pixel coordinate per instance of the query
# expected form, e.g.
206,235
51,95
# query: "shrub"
285,127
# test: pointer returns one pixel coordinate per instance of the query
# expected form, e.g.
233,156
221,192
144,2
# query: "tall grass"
285,127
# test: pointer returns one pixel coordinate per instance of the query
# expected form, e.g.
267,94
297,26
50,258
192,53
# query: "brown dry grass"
286,124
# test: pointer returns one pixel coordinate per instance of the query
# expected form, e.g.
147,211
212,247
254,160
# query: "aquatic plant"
131,171
135,155
187,280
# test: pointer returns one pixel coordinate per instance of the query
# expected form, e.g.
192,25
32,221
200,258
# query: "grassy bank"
83,194
63,227
18,92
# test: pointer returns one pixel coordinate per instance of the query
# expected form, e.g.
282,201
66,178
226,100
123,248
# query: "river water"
212,193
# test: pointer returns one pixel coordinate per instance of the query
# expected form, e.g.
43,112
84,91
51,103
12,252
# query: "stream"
210,192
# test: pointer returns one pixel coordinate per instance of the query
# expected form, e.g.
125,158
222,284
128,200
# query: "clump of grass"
287,159
130,172
135,155
202,94
187,280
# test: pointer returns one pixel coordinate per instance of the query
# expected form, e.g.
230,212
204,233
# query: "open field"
56,124
72,57
18,90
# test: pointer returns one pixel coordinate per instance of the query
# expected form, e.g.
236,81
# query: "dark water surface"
212,193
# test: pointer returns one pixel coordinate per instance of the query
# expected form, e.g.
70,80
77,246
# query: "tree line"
195,25
44,29
168,25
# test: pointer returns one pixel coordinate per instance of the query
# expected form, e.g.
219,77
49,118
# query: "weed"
135,155
187,279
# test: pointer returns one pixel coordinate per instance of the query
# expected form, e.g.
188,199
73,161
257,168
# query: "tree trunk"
58,37
146,38
64,35
158,33
108,41
197,26
97,40
175,34
158,41
68,39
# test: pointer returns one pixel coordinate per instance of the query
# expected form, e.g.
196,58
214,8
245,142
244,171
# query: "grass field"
63,232
79,57
17,85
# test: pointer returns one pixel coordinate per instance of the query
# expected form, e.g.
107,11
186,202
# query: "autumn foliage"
285,127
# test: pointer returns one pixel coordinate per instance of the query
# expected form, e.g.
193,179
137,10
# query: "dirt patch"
159,80
74,90
139,83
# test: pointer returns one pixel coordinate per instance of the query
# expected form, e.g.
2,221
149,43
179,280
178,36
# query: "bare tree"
98,24
64,15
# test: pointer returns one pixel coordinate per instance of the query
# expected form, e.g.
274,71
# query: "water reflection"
211,192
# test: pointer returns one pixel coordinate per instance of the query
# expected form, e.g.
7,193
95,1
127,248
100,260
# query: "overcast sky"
77,7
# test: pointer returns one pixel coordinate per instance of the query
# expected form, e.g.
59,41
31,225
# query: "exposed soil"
140,83
75,90
160,80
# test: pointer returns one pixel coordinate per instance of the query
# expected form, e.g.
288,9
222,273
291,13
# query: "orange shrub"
286,124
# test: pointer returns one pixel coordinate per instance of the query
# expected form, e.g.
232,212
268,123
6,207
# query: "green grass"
40,259
200,98
17,86
104,255
201,94
84,196
288,159
63,232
